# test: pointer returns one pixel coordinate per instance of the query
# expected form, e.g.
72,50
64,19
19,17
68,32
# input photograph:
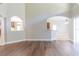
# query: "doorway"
2,31
59,27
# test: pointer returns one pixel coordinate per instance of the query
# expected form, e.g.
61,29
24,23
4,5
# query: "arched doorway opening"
58,25
16,23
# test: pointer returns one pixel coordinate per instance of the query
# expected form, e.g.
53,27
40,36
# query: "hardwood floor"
40,48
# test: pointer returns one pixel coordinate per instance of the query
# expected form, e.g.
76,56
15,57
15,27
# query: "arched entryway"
16,23
58,25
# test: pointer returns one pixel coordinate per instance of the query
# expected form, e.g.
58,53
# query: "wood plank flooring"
40,48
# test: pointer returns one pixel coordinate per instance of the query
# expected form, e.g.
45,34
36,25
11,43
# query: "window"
16,23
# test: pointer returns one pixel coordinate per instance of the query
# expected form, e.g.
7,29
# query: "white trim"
14,41
74,34
2,44
2,39
29,40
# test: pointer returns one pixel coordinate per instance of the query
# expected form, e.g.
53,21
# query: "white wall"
75,14
14,9
37,15
3,10
3,15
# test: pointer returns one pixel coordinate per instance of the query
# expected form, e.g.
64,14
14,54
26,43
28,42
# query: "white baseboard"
2,44
12,42
29,40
